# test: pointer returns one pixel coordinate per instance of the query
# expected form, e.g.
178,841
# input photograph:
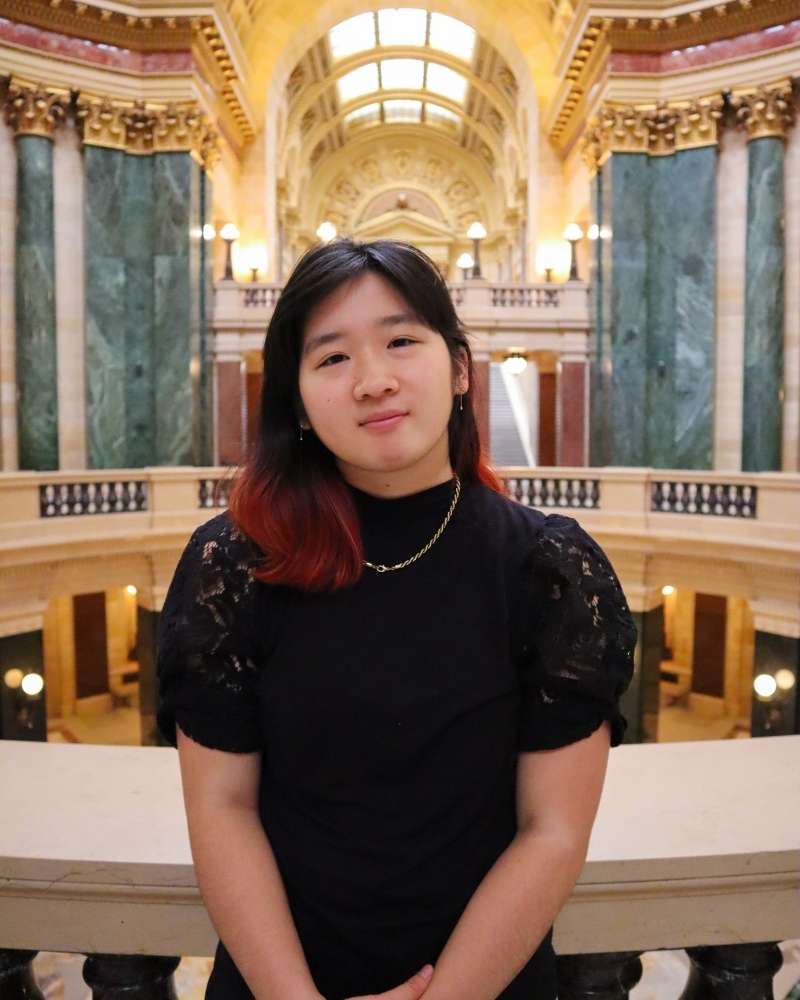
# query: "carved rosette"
32,109
765,111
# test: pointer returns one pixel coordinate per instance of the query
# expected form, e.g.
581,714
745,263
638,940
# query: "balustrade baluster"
131,977
732,972
17,981
604,976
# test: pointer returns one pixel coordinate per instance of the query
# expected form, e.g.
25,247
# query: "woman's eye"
333,357
408,339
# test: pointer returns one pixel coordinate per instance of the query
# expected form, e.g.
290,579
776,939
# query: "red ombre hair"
289,497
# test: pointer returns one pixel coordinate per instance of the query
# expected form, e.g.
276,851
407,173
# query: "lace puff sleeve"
578,639
207,662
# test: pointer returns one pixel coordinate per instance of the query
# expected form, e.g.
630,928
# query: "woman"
393,690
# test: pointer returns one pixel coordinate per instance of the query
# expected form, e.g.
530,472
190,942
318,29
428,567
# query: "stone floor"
664,973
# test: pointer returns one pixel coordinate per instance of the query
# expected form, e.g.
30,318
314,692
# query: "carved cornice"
658,130
141,128
33,109
765,111
624,33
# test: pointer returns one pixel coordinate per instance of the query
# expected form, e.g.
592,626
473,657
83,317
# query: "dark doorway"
547,419
91,653
708,663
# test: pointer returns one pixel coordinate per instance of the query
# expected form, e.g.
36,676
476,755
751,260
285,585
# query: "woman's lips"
386,424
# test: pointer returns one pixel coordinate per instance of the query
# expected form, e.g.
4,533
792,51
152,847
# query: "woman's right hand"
411,989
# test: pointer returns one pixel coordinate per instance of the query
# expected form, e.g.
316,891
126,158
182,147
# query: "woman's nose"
374,381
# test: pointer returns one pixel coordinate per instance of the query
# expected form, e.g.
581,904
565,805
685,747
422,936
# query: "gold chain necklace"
380,568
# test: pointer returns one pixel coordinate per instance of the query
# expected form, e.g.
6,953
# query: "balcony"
695,846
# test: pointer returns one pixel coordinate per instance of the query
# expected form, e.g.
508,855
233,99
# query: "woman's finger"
411,989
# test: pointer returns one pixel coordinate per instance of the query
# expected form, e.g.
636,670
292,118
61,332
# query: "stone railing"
481,304
695,846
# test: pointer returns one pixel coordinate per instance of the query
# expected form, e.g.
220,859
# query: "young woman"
393,689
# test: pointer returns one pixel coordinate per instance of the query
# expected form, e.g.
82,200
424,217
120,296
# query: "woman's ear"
461,374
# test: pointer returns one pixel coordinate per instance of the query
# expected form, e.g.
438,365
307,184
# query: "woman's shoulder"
522,526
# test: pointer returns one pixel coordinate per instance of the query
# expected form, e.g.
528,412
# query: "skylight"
437,115
356,34
445,81
402,111
358,82
402,26
367,115
452,36
402,74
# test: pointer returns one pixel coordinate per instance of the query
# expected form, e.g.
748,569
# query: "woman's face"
364,354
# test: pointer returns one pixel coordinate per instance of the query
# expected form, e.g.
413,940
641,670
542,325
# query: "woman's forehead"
364,301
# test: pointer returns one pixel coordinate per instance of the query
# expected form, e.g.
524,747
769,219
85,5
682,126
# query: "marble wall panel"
597,436
764,307
693,244
36,368
8,350
105,307
138,226
628,308
791,343
206,300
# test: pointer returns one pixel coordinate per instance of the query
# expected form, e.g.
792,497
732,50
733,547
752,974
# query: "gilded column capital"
102,122
34,109
615,129
698,121
660,123
765,111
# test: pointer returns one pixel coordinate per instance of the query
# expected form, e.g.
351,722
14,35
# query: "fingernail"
426,971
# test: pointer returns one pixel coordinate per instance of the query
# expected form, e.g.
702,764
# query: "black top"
390,714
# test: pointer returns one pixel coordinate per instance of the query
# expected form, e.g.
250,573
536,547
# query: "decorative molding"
534,492
658,130
33,109
82,499
139,127
765,111
712,499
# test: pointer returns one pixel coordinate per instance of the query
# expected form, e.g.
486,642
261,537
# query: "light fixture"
667,590
230,234
32,683
13,678
476,233
515,364
326,231
466,263
209,232
594,232
785,679
573,234
130,589
552,260
256,258
765,686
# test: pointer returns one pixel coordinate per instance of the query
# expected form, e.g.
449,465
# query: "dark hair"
289,497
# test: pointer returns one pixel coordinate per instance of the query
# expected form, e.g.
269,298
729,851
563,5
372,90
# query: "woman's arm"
558,792
237,874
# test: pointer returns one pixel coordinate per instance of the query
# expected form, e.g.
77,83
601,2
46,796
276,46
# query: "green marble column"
628,192
681,291
37,387
175,322
138,226
779,714
639,704
598,437
104,171
205,452
22,716
764,306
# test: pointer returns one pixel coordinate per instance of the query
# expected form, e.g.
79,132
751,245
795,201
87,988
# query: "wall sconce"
209,232
230,234
476,233
131,589
466,263
551,256
573,234
256,258
667,590
326,231
594,232
515,364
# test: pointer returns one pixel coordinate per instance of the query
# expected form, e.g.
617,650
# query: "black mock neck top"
390,715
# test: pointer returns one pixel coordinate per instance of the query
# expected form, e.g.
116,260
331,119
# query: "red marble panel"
572,413
230,412
480,401
98,53
724,50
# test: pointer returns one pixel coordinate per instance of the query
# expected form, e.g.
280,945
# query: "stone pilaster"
766,114
34,112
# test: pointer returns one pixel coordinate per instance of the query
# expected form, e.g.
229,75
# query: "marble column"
205,297
23,716
598,438
640,703
778,713
230,410
37,381
8,381
105,307
176,346
764,307
626,179
571,415
730,240
791,399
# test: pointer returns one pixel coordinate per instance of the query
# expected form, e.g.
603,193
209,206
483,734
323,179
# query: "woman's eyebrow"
394,319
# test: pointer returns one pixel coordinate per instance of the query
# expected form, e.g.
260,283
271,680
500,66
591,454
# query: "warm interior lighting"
12,678
666,591
402,26
445,81
229,232
594,232
465,261
356,34
255,258
476,231
402,74
130,589
450,35
366,115
515,364
437,115
552,256
209,232
785,679
32,683
326,231
402,111
358,82
764,685
573,232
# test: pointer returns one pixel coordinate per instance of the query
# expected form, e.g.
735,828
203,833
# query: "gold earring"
301,433
461,402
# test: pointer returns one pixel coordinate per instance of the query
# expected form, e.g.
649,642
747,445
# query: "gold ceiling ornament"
660,122
615,128
102,122
698,122
765,111
34,109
